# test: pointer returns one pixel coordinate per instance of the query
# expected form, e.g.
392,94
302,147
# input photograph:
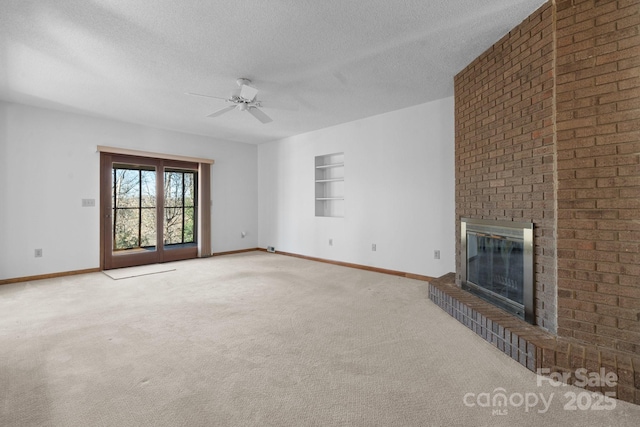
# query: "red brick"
631,303
577,285
576,325
618,116
631,236
629,170
596,319
632,247
597,193
620,225
626,181
595,339
627,258
597,277
619,204
599,256
631,270
598,298
624,335
629,325
621,291
628,281
573,163
615,76
592,234
620,159
505,117
582,151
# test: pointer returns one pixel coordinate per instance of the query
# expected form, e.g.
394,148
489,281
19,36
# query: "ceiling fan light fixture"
242,81
243,99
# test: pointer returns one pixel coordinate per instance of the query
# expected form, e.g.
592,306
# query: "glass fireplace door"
497,266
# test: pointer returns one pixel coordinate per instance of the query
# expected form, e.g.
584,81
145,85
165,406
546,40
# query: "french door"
149,210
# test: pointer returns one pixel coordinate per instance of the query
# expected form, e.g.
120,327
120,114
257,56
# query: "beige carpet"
257,339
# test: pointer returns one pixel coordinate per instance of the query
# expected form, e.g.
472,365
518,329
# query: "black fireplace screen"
496,264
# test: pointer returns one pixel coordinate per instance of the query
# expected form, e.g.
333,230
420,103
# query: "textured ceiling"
316,63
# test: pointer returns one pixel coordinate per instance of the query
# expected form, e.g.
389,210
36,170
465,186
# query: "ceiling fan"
244,101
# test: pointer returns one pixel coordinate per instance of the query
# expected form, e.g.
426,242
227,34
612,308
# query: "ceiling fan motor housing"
245,101
243,82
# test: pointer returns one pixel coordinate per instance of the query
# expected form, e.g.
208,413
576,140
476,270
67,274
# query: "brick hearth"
533,347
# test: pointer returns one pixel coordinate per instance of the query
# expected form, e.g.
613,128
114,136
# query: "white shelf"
333,165
329,183
330,180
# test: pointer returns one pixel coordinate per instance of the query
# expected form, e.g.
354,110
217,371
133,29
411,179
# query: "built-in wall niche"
329,173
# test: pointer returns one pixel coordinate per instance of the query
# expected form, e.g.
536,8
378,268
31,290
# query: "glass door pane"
179,207
133,208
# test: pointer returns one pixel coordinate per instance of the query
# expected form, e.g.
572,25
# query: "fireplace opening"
497,264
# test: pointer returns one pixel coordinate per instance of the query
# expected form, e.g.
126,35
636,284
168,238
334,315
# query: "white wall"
399,191
48,163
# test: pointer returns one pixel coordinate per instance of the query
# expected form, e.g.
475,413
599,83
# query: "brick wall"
505,152
598,159
548,131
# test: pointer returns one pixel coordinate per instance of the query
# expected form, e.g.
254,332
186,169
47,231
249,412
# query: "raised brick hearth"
548,132
533,347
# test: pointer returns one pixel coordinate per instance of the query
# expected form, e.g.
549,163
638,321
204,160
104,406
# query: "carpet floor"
260,339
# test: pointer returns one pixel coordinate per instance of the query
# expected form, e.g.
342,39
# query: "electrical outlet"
330,242
37,253
436,254
373,247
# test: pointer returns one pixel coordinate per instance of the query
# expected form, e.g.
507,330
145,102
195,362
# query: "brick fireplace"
548,132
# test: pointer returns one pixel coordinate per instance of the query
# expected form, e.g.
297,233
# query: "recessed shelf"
329,182
333,165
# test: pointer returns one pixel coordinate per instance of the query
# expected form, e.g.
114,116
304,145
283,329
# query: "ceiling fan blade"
222,111
260,115
248,92
204,96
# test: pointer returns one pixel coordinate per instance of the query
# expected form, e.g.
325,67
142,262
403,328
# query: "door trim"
162,253
148,154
